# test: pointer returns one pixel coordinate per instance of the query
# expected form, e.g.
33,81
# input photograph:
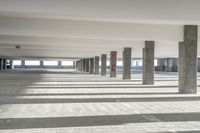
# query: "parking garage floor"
65,101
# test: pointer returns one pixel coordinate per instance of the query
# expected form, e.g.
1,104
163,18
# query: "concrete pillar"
91,65
96,69
148,63
79,65
161,65
74,64
4,64
79,62
87,65
137,63
23,64
127,63
103,64
11,64
84,65
171,65
113,64
59,64
198,68
188,61
41,64
174,65
137,66
1,64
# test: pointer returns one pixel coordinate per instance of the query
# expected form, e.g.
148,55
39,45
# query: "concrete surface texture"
96,65
103,64
58,101
148,63
127,63
113,64
188,60
91,65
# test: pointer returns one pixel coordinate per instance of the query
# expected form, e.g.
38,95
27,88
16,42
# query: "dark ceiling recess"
18,47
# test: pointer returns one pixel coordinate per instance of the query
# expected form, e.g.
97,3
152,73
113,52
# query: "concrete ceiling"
88,28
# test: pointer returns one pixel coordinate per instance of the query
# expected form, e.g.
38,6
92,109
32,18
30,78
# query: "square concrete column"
174,65
198,68
74,64
113,64
59,64
171,65
1,64
148,63
87,65
11,64
84,65
23,64
80,67
161,65
188,61
103,64
96,65
41,64
127,63
81,64
4,64
137,63
91,65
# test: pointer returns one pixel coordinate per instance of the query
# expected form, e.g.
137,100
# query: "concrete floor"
53,101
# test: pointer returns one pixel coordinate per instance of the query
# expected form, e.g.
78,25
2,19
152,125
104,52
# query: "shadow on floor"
83,121
96,87
88,94
15,82
10,100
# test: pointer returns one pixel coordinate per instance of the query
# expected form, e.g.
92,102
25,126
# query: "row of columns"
3,64
187,62
91,65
